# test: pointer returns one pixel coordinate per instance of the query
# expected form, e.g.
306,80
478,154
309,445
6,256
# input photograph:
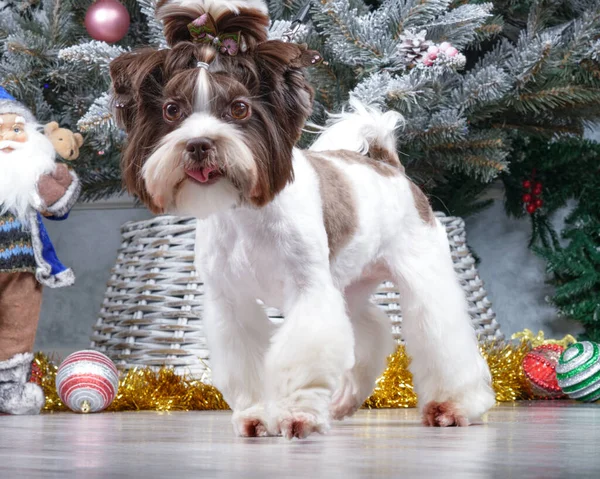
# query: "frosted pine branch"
279,27
352,37
99,116
459,26
93,54
373,89
155,28
481,86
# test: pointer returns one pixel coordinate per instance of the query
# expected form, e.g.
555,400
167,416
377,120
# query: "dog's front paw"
301,424
443,414
304,412
250,422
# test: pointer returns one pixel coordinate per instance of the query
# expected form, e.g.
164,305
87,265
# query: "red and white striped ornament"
87,381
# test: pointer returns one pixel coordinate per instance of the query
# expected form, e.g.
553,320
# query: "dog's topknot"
248,17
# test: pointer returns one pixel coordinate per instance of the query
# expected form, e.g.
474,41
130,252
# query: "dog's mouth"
206,175
8,149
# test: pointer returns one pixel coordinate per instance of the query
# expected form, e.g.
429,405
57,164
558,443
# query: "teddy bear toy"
32,185
65,142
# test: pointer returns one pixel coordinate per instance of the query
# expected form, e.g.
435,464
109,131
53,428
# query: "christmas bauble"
539,366
107,20
578,371
87,381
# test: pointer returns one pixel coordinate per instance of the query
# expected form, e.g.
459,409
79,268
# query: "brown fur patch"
251,23
384,155
384,169
422,204
339,206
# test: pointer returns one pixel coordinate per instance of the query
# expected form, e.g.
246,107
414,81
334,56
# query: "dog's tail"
365,129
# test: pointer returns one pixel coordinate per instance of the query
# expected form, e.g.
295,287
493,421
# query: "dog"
212,133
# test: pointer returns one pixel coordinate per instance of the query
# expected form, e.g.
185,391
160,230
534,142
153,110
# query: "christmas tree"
465,80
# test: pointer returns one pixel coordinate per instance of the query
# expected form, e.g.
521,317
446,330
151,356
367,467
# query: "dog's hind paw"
345,401
443,414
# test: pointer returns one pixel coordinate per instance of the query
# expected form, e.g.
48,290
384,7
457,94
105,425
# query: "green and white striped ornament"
578,371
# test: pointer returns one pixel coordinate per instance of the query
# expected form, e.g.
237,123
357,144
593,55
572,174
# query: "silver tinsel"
413,47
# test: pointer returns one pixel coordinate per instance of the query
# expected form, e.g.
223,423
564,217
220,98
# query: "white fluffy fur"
323,360
357,130
21,169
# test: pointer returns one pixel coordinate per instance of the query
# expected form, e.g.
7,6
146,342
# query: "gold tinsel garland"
142,389
163,390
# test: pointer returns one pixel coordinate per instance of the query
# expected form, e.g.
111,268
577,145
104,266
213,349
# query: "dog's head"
208,130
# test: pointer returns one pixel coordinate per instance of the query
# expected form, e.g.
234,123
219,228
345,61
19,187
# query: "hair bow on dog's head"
204,30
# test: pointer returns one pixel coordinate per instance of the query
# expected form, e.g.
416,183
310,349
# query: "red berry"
538,185
537,191
527,198
531,208
526,184
539,203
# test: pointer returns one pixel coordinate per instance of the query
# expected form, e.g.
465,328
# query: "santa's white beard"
20,171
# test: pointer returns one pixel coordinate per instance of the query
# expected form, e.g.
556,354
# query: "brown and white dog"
212,130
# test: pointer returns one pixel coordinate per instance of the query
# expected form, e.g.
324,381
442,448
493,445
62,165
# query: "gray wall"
88,241
514,276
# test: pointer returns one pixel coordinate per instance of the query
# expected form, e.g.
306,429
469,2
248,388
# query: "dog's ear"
281,69
251,22
286,97
135,76
137,83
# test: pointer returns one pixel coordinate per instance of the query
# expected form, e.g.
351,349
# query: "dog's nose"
199,148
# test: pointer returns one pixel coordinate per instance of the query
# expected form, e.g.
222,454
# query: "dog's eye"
240,110
171,112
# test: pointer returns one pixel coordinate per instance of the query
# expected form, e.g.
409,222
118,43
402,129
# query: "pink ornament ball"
427,62
87,381
433,50
451,52
444,46
107,21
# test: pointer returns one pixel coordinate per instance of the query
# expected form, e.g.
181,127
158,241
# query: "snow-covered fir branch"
99,116
279,27
155,29
94,54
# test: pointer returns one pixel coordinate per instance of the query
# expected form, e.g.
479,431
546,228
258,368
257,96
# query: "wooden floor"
524,440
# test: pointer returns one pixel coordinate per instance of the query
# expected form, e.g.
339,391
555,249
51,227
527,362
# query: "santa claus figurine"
32,185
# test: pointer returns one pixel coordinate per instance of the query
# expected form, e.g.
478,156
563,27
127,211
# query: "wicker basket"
152,309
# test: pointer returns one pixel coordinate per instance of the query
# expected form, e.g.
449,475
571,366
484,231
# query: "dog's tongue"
201,174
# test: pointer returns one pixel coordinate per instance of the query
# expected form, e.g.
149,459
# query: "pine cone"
413,47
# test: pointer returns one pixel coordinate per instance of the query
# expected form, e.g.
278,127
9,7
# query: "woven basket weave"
152,309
